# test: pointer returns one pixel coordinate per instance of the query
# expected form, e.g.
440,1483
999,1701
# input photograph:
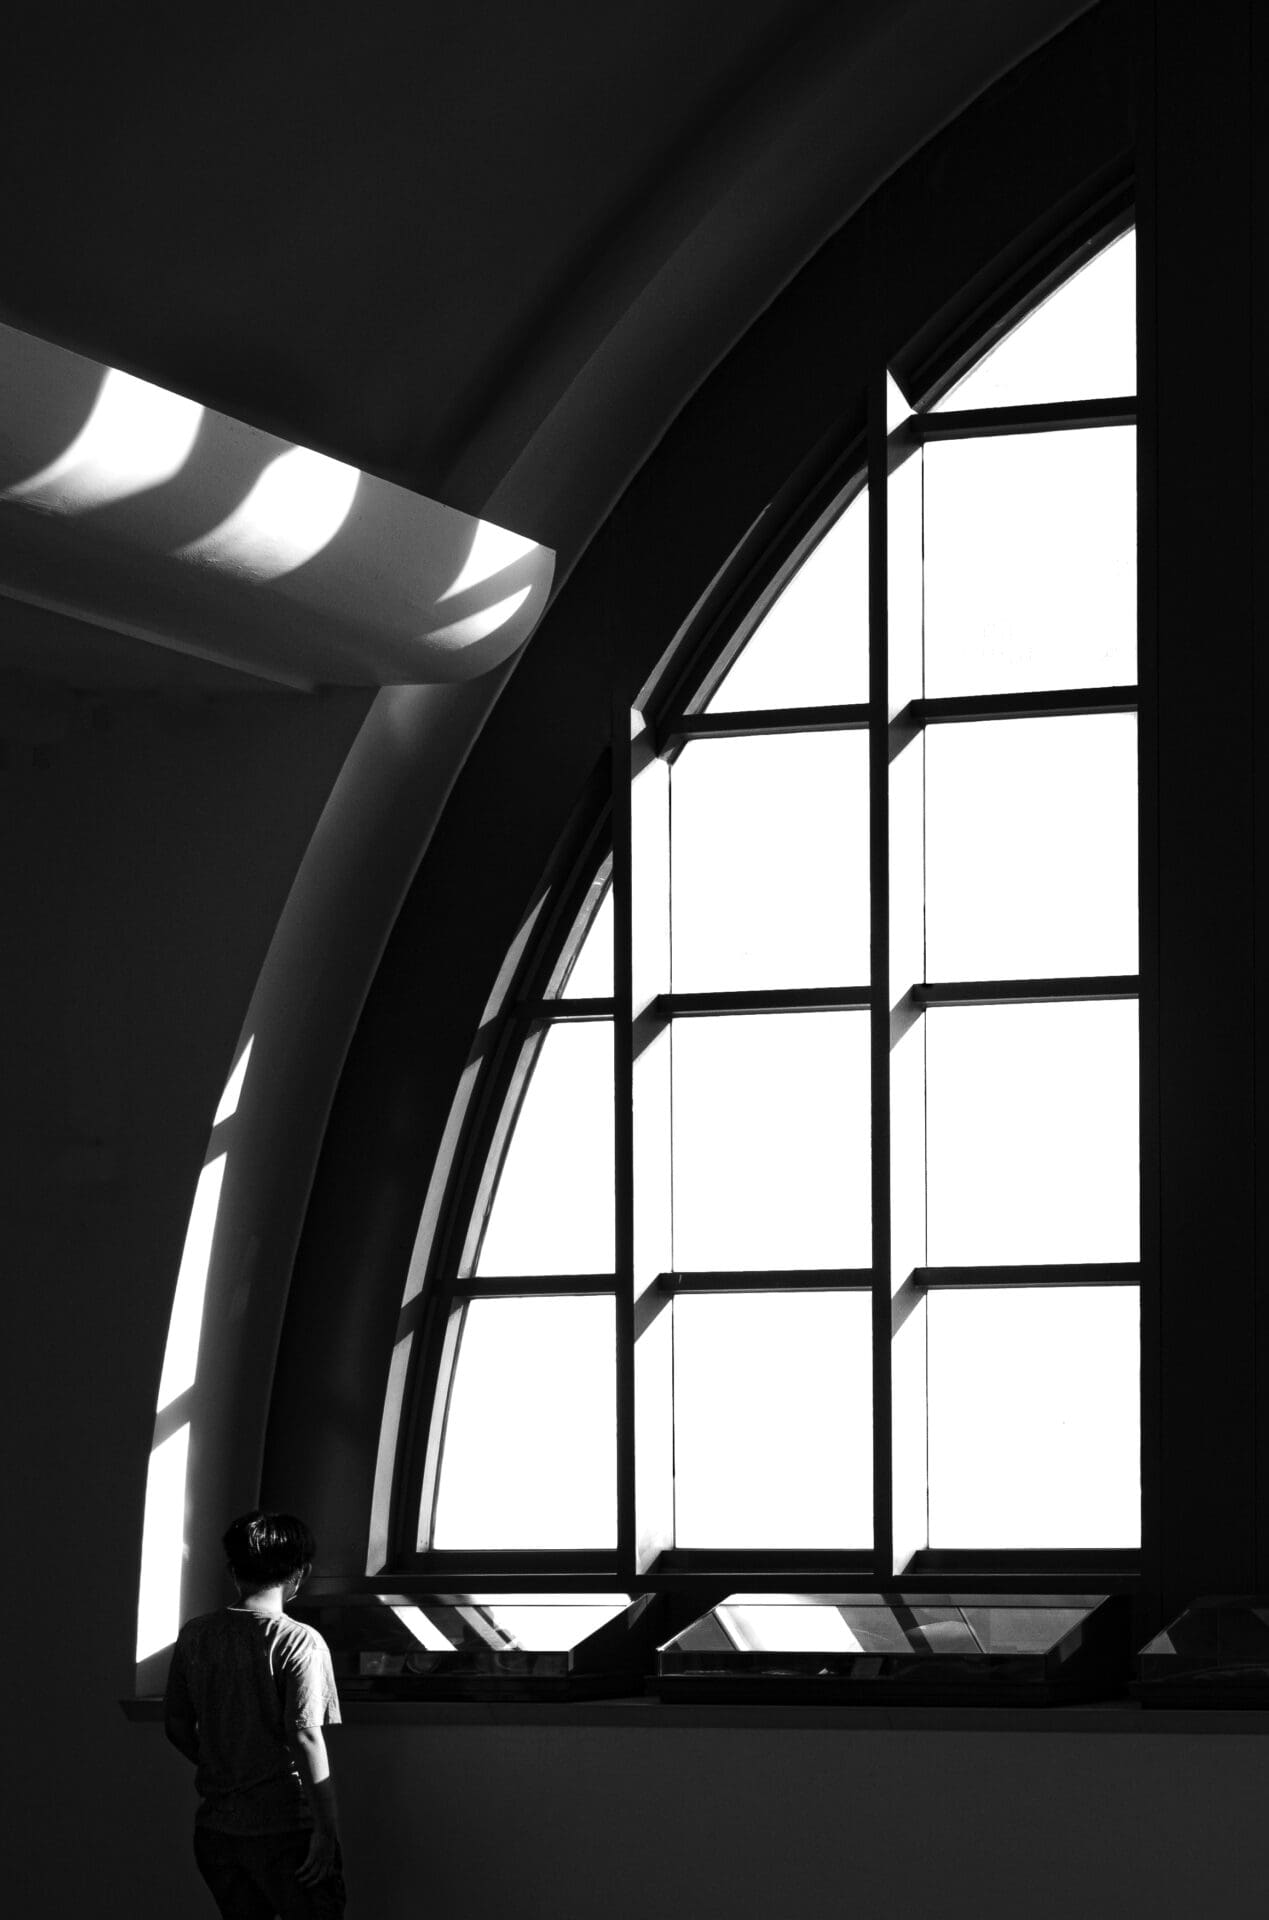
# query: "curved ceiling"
483,251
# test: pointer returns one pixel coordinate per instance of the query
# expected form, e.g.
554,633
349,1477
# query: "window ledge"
1110,1716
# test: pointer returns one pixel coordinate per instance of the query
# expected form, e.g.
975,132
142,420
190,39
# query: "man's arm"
309,1747
182,1731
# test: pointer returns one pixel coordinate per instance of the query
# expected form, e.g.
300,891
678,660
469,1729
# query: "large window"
801,1227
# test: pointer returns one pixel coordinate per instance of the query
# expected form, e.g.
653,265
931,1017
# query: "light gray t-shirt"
248,1680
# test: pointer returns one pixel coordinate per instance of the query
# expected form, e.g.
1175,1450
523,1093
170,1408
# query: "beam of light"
477,626
136,437
424,1630
233,1086
163,1546
295,508
492,550
180,1361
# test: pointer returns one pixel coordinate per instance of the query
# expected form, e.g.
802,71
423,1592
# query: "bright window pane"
771,1149
1033,1417
1032,1133
770,862
553,1206
590,976
1031,848
530,1455
811,649
1031,562
1079,344
773,1420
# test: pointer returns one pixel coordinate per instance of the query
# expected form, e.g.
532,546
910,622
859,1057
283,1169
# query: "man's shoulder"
299,1635
200,1624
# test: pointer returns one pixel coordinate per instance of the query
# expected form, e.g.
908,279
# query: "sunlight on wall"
163,1545
478,626
492,550
180,1361
425,1632
233,1087
295,508
137,436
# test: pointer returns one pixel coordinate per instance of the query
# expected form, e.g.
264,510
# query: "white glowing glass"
591,975
530,1452
552,1210
1031,848
771,1145
1031,562
769,846
1078,344
1032,1131
185,1328
163,1545
773,1420
1034,1401
811,647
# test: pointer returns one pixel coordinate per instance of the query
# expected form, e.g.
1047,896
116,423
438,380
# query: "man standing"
248,1694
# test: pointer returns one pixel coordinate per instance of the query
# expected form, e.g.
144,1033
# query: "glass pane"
590,976
530,1454
1079,344
1033,1417
1032,1133
770,862
552,1208
1031,562
1031,848
773,1420
811,649
771,1155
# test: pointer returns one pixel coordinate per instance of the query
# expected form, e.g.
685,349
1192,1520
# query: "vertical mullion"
623,1137
879,910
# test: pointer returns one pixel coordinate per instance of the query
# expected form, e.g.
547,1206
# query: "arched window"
797,1227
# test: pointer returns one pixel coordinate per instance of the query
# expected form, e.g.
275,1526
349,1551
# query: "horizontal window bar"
523,1286
1022,993
680,1006
1060,703
530,1011
1057,1563
977,423
1092,1273
730,726
776,1279
778,1567
450,1572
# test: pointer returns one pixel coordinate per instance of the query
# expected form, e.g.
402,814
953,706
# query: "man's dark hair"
265,1548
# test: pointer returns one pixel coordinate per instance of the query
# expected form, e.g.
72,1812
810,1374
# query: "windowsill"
1109,1716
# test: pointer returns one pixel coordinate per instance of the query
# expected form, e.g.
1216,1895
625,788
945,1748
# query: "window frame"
674,715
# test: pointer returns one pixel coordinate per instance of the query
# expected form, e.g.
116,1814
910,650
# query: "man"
247,1696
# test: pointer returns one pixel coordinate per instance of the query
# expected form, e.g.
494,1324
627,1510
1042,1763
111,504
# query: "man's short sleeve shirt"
249,1680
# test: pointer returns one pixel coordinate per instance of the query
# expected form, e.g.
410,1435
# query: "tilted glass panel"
530,1449
552,1209
773,1420
1031,848
1078,344
769,845
771,1148
1032,1133
811,648
591,975
1033,1417
1031,562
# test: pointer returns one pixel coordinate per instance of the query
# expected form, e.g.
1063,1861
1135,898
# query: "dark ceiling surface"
404,236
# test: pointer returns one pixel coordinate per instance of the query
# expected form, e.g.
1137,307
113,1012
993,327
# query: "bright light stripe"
424,1630
381,1498
163,1546
180,1361
492,550
233,1086
136,437
295,508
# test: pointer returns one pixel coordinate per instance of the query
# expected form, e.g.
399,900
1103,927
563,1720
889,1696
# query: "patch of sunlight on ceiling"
233,1086
295,508
137,436
163,1546
180,1361
492,551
